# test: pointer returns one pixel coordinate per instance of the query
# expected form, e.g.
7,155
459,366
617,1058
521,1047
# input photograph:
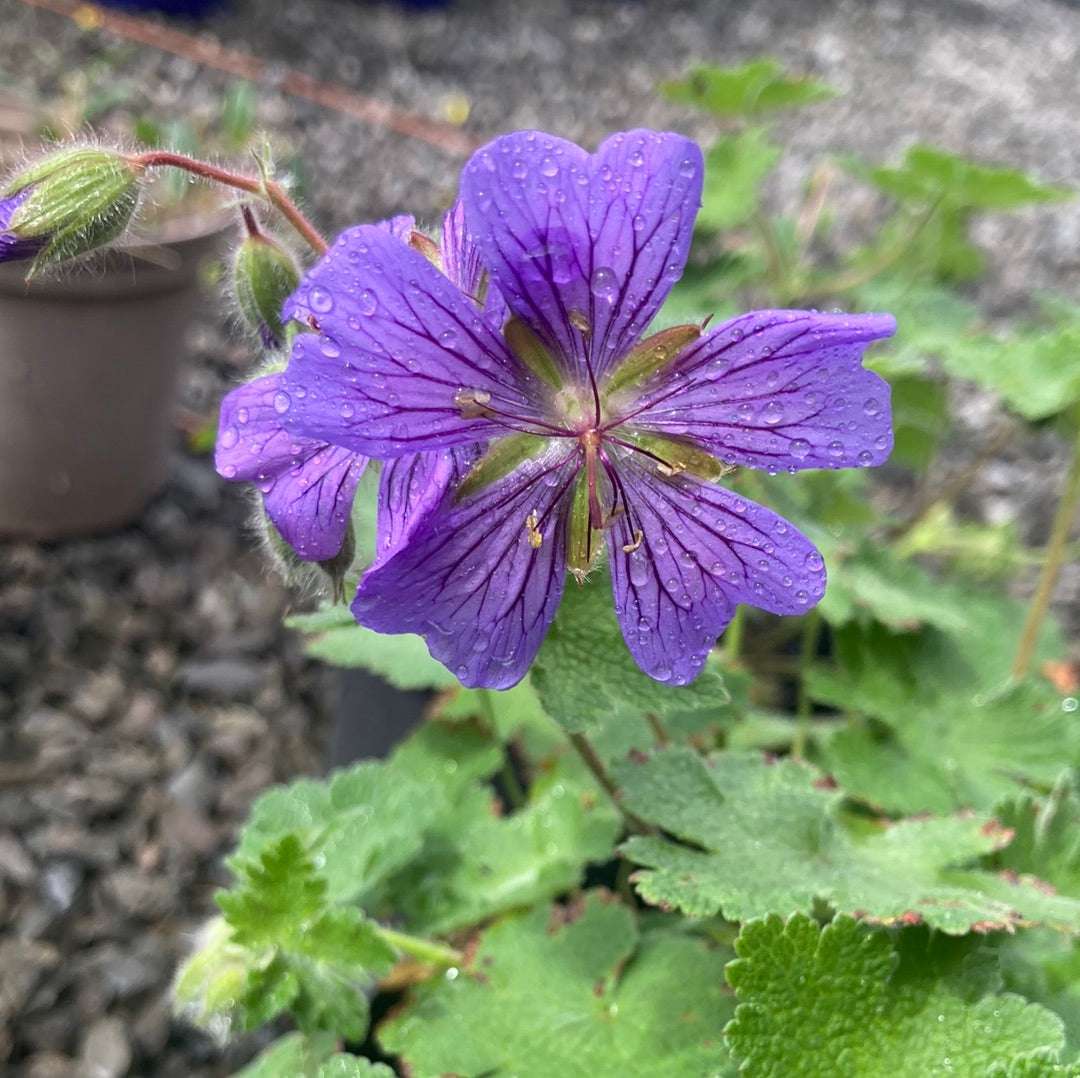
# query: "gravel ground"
147,690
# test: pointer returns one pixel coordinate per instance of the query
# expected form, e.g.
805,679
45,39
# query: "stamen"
579,321
476,404
471,403
629,548
532,529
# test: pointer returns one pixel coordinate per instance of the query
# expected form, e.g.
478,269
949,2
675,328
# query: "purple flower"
14,247
594,436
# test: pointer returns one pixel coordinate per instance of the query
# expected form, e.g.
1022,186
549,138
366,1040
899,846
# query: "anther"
532,529
470,403
579,322
629,548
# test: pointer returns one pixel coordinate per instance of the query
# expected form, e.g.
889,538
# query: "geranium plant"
649,828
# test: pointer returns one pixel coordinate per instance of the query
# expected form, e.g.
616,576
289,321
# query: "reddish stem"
271,190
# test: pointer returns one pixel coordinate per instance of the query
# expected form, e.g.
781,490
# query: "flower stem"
733,636
808,651
1053,559
438,954
271,190
593,762
659,730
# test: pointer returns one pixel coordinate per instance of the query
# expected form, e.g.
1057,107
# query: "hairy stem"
1053,559
438,954
593,762
270,190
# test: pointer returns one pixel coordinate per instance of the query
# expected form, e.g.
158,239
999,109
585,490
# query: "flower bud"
67,204
264,276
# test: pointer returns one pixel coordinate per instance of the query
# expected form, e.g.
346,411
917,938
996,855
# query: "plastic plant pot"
88,372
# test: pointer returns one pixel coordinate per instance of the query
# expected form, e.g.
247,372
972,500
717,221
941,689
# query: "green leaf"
1033,369
920,418
275,894
290,1056
346,1066
505,710
769,838
843,999
402,659
585,676
285,948
948,732
300,1056
735,167
929,174
363,824
476,863
447,756
753,88
1047,836
1044,967
872,583
571,992
1040,1064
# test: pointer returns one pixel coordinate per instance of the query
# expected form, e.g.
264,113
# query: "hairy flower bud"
66,204
264,276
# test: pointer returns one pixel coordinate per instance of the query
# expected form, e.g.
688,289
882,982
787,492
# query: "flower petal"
399,345
776,390
461,263
410,487
573,239
685,554
307,486
470,579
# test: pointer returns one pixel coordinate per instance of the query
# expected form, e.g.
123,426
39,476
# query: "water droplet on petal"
772,413
321,300
229,438
367,302
800,449
604,284
549,167
282,403
519,170
814,562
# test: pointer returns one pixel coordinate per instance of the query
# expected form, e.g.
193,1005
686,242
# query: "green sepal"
531,351
264,276
79,199
583,548
676,456
651,355
502,457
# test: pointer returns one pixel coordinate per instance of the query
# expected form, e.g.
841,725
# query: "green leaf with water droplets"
843,999
750,837
586,677
571,991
